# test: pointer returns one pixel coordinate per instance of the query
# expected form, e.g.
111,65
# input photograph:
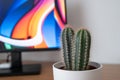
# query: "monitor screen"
31,24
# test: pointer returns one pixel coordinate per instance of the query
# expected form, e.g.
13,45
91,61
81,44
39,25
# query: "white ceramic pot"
60,74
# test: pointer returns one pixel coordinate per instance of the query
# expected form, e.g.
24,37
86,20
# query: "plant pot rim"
97,66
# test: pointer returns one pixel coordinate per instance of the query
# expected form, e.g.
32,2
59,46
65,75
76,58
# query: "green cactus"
67,45
82,50
76,48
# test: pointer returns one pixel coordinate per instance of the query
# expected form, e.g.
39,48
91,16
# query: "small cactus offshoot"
76,48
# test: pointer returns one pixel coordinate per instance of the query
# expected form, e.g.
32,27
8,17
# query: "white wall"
102,18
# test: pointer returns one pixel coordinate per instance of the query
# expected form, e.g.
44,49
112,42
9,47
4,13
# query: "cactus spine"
76,48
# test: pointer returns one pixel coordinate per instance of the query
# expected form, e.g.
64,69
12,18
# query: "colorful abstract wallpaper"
31,24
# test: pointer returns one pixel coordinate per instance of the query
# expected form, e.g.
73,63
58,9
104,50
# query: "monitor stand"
17,68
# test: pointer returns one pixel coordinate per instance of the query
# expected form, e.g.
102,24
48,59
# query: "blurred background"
102,19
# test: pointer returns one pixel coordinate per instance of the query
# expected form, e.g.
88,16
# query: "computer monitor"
29,25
